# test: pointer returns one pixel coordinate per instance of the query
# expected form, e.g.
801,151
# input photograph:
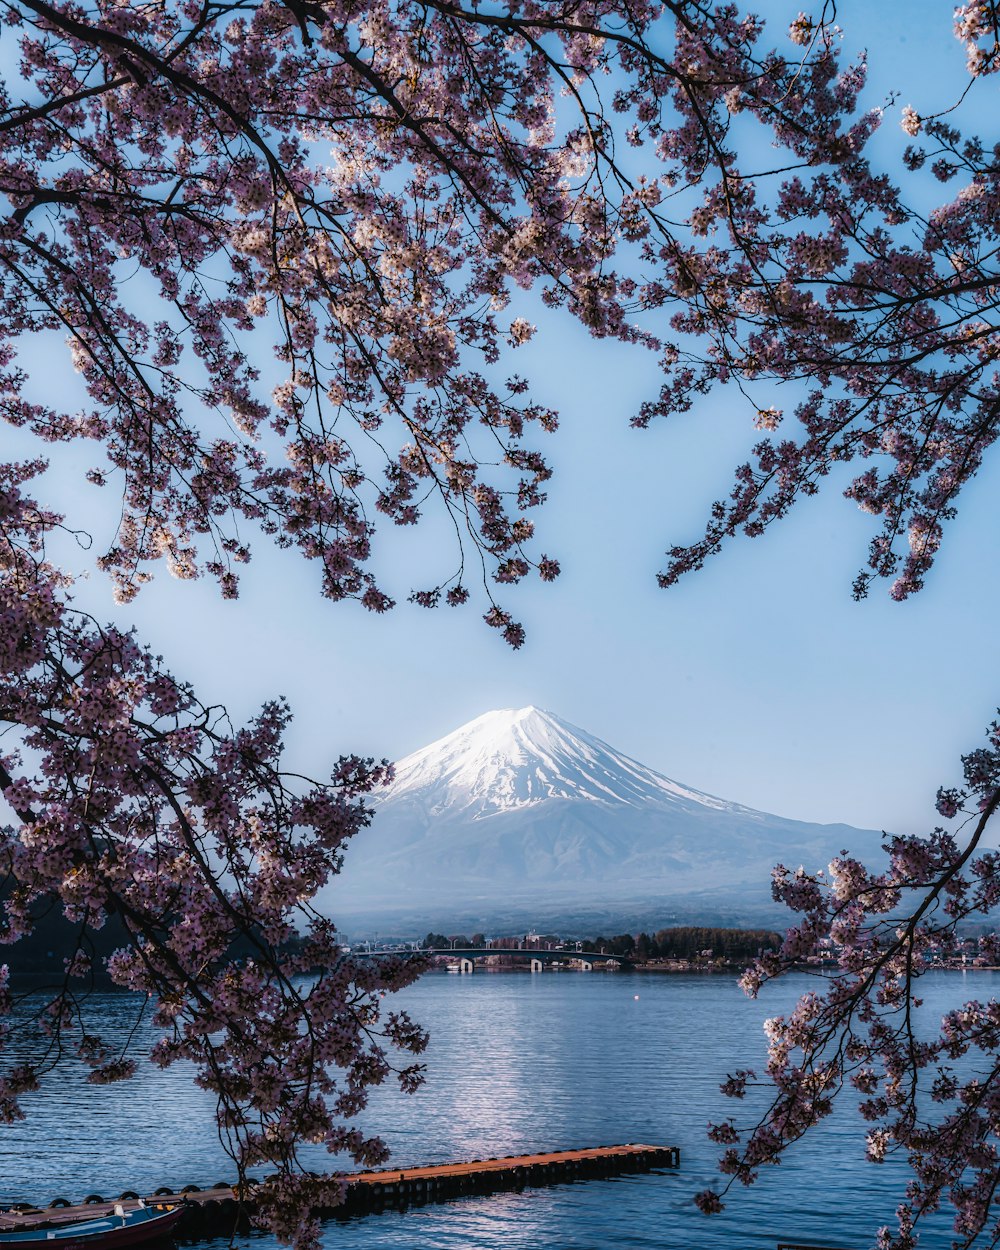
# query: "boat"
107,1232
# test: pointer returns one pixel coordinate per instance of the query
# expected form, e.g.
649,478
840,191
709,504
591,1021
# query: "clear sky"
757,679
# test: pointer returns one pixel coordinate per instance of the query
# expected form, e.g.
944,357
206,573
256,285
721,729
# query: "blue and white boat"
108,1232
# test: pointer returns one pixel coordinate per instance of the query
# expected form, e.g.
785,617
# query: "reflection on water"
517,1063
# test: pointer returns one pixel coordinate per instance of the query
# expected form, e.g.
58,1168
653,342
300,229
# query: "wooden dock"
220,1207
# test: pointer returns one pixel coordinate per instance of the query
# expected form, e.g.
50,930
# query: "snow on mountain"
508,759
520,807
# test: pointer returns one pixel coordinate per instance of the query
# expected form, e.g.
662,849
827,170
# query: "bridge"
466,956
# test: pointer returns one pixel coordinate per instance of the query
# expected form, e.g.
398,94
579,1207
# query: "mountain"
520,816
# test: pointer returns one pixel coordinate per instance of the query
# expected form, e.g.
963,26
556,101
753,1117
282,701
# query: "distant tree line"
687,942
53,940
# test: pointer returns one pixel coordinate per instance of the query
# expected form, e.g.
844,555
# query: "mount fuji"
519,815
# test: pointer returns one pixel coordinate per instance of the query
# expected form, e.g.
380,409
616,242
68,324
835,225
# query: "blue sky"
757,679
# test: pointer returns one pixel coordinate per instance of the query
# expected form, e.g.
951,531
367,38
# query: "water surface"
518,1063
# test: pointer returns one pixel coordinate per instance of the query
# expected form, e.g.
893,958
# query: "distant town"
687,948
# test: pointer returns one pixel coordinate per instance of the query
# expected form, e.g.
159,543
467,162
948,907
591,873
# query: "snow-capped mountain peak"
514,758
518,809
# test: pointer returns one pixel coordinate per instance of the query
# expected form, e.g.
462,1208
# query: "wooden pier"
219,1207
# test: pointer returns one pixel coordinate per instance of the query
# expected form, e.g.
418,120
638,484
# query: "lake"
519,1063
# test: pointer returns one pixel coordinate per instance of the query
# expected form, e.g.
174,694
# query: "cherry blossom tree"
286,242
135,800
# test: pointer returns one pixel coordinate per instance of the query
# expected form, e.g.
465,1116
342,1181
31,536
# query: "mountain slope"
520,808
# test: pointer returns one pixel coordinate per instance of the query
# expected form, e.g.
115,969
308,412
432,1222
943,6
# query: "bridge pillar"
586,966
536,965
466,965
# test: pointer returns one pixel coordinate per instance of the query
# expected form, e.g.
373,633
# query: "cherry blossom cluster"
361,190
823,275
933,1097
135,801
358,189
